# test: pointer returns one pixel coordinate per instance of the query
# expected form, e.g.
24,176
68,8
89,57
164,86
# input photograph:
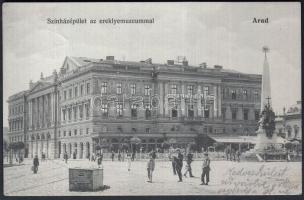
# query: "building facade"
94,101
289,125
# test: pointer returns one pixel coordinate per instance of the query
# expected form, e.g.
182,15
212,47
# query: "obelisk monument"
265,133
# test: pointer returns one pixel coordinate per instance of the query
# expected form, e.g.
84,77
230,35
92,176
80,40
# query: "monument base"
81,179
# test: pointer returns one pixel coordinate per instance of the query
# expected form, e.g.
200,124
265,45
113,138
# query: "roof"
295,109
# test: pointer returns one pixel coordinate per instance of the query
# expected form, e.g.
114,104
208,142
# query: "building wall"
228,106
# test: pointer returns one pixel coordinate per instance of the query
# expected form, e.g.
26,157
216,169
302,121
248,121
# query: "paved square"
52,179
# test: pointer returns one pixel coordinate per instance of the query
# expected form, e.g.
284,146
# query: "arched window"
289,131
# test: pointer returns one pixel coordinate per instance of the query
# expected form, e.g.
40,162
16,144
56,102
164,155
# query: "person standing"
227,152
179,164
171,157
112,156
65,157
150,167
99,160
206,170
129,161
238,154
35,164
189,161
119,156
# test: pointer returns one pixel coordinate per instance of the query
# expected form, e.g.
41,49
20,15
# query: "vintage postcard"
146,99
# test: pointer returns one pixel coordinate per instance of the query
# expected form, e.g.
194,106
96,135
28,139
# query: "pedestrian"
206,170
35,164
89,157
93,157
123,155
233,153
133,156
171,157
112,156
119,156
129,161
65,157
150,167
227,152
179,164
188,166
99,160
238,154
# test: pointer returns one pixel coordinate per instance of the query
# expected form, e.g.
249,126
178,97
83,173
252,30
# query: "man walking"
179,164
188,168
112,156
150,167
36,164
206,170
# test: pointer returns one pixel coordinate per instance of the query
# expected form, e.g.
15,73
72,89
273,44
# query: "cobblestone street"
52,178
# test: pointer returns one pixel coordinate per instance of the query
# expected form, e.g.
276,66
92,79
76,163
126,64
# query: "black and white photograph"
152,99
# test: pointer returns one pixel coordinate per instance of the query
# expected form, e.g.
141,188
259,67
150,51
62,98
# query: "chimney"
218,67
185,63
109,57
170,62
41,76
203,65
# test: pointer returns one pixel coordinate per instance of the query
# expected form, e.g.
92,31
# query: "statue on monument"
266,121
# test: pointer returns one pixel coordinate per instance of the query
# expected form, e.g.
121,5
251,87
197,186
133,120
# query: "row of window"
16,110
245,114
74,132
190,89
16,125
119,110
76,91
16,138
104,88
68,112
240,94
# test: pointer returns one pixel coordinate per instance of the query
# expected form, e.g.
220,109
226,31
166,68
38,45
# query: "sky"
215,33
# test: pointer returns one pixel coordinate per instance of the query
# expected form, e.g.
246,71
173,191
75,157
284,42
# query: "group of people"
177,165
232,154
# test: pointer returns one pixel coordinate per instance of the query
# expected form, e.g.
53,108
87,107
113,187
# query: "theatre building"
110,102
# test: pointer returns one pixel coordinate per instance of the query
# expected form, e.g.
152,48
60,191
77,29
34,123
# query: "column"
161,98
215,102
84,155
30,115
228,113
251,114
52,152
219,101
239,115
199,103
166,106
183,109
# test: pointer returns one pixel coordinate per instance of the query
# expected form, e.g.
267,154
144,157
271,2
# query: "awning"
235,139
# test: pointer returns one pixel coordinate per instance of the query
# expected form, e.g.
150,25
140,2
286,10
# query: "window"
65,95
81,111
223,113
76,91
233,94
234,112
104,86
133,89
147,90
119,109
75,113
70,133
64,133
296,131
88,88
133,110
118,88
206,90
70,93
75,132
245,94
148,111
80,131
147,130
81,89
87,108
104,109
206,112
87,131
246,114
173,89
256,95
70,113
190,89
256,115
190,111
64,114
174,112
